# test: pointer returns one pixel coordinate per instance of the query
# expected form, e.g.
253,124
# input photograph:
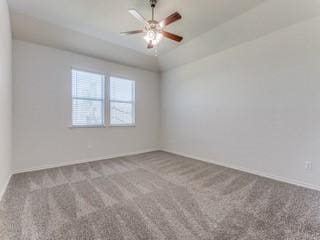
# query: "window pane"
121,89
87,98
87,113
121,113
87,85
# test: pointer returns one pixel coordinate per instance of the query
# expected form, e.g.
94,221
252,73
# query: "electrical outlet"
308,166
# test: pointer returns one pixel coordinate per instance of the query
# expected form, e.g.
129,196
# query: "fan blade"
170,19
138,16
172,36
132,32
150,45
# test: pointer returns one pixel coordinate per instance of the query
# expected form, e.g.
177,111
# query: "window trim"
105,82
133,102
107,105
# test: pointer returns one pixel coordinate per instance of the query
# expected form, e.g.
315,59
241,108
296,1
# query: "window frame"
105,82
133,102
107,97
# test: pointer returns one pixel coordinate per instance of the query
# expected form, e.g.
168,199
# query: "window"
122,102
88,101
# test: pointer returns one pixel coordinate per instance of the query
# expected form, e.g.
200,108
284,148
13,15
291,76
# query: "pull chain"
156,51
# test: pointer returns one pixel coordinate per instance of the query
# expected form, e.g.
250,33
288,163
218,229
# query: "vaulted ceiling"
92,27
105,19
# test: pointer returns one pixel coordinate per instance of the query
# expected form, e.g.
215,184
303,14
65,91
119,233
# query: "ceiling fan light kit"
154,30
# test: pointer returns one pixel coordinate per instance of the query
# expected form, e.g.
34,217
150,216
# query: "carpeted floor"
155,196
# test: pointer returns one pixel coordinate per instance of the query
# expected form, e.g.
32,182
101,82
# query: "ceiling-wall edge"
260,21
37,31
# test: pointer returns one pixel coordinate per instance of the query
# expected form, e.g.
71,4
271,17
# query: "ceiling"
104,19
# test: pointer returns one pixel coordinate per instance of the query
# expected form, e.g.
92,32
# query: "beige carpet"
155,196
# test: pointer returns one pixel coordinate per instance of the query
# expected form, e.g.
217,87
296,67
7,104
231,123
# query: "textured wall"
5,95
255,106
42,110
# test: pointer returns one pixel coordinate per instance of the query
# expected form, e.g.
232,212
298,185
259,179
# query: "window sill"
86,126
122,125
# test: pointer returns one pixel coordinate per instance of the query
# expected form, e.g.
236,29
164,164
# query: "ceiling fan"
154,29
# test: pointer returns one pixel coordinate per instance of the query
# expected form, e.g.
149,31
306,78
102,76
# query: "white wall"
42,110
255,106
5,96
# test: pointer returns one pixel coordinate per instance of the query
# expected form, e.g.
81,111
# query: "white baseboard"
3,190
255,172
48,166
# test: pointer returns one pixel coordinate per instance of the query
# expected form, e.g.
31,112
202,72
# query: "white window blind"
88,99
122,101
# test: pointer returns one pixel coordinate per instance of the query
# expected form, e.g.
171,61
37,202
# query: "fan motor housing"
153,3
